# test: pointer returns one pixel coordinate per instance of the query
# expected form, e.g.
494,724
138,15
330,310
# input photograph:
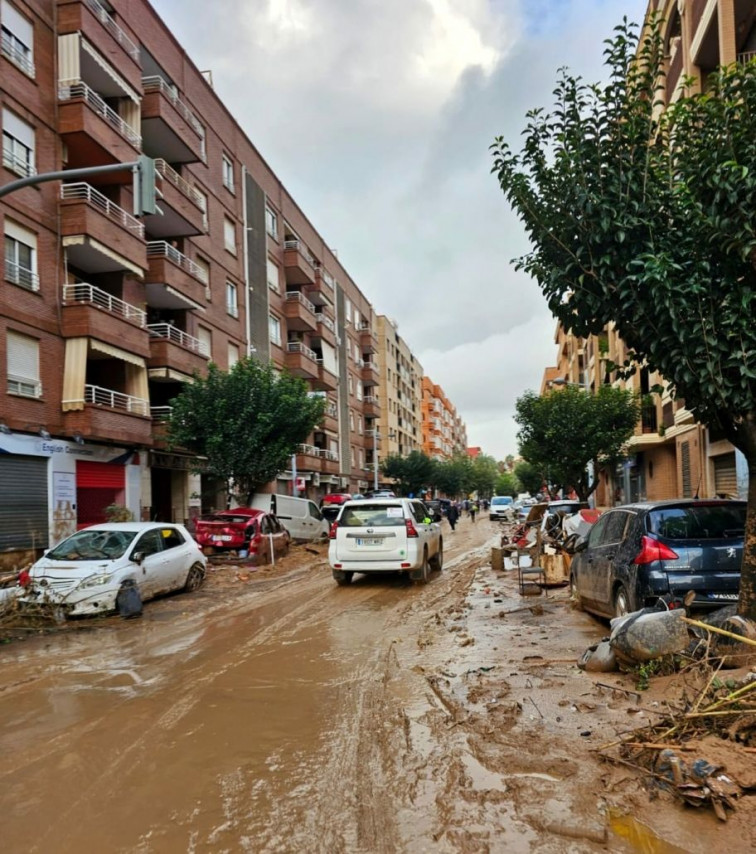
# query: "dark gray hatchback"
637,553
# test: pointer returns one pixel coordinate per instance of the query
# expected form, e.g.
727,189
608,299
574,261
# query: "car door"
148,572
427,530
588,561
604,555
177,558
318,526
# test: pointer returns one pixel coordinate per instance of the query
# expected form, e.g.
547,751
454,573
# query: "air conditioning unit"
343,482
316,478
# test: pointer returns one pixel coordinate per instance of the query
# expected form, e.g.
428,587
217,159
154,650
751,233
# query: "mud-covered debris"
598,658
648,634
697,782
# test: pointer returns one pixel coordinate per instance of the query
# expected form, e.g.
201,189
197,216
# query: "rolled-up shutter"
100,475
725,475
24,514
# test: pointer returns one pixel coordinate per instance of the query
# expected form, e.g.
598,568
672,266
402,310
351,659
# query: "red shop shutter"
100,475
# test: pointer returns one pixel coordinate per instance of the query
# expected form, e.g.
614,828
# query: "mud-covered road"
281,713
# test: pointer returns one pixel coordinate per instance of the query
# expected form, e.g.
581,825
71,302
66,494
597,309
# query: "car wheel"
621,602
577,600
422,575
343,579
437,562
195,578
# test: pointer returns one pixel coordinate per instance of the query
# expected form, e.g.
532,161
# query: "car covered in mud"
86,573
243,529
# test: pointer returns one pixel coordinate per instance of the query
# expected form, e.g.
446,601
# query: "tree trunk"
747,600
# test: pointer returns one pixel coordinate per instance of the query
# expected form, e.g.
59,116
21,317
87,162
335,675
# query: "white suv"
385,535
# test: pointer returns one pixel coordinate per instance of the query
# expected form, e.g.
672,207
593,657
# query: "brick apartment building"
104,316
444,432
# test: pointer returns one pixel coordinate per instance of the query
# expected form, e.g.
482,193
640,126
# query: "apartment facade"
104,316
444,431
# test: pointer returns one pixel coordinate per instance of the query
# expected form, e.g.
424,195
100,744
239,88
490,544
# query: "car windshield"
373,516
501,500
700,522
226,517
93,545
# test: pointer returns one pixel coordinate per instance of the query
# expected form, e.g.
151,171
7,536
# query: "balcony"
94,133
308,458
368,338
321,293
110,415
175,350
330,461
173,280
326,380
369,373
98,235
325,329
183,207
90,312
301,360
299,312
169,128
371,406
92,19
330,420
299,265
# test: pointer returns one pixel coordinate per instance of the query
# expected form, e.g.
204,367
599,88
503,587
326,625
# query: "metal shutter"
687,491
725,475
23,357
24,514
100,475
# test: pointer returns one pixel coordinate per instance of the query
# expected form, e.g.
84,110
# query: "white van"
299,516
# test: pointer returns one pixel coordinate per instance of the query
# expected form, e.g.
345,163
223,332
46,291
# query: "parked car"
300,516
385,535
85,573
438,508
335,498
245,529
502,507
637,553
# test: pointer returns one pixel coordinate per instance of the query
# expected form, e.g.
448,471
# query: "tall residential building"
444,432
104,316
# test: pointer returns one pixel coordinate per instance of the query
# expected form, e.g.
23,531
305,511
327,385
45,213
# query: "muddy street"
279,712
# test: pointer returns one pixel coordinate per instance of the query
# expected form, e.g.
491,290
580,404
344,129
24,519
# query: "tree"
564,431
644,217
485,470
530,478
453,477
413,473
247,422
507,484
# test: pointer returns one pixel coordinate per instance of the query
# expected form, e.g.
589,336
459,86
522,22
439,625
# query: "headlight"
97,581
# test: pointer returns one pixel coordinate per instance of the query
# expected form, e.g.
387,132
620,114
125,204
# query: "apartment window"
362,459
204,266
273,276
21,256
347,310
271,223
360,428
352,456
18,145
350,384
351,420
17,38
229,235
23,365
206,341
359,390
232,299
274,327
233,355
228,173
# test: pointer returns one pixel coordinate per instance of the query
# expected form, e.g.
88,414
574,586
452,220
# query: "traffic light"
145,189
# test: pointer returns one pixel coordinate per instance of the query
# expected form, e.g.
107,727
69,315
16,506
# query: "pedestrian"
452,514
473,510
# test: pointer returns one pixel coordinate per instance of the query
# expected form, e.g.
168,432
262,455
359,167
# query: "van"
300,516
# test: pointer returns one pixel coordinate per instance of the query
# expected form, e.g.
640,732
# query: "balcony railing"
157,84
86,193
171,175
16,54
331,410
110,25
325,276
22,166
84,293
178,336
371,365
69,89
369,398
326,321
22,276
302,249
161,249
161,413
747,56
328,455
297,296
115,400
299,347
310,450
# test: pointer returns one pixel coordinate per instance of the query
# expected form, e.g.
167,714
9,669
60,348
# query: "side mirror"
581,546
138,557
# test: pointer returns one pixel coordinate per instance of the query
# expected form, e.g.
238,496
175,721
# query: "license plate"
729,596
369,541
223,538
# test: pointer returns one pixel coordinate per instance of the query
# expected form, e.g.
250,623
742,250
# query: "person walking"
473,510
452,514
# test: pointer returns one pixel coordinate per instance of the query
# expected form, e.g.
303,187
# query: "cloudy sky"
377,116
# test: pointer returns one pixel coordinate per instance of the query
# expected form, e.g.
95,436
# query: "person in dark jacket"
452,514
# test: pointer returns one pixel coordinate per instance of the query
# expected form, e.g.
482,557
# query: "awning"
160,295
169,374
80,249
74,374
116,353
110,71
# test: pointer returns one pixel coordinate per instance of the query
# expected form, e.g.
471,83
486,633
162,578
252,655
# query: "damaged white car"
86,573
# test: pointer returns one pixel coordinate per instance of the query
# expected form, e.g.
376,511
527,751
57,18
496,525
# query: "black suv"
637,553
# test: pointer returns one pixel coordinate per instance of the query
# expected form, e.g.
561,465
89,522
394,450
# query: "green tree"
485,470
529,478
644,217
247,423
413,473
507,484
452,477
563,431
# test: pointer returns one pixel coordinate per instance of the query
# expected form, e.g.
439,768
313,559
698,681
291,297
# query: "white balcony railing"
70,89
328,455
369,365
86,193
178,336
172,176
371,399
158,84
16,53
102,14
161,413
302,249
299,347
331,410
326,321
298,296
84,293
325,276
161,249
21,165
22,276
309,450
115,400
747,56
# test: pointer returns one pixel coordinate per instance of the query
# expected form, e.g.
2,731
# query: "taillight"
652,550
411,529
332,530
24,579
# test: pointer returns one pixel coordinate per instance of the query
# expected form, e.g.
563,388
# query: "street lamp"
563,381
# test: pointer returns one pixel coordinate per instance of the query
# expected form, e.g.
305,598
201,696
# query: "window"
347,310
359,390
171,538
273,277
149,544
20,256
350,384
17,38
23,365
359,425
18,145
271,223
228,173
204,275
351,420
362,459
274,327
206,341
232,299
233,355
351,455
229,235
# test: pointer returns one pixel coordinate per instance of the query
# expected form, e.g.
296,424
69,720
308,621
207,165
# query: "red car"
335,498
243,529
